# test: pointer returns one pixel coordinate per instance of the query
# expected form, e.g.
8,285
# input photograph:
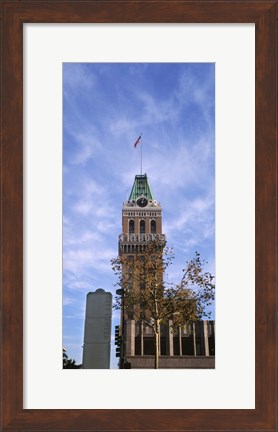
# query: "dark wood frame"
14,15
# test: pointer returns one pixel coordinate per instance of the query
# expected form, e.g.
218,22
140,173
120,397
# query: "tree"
69,363
149,297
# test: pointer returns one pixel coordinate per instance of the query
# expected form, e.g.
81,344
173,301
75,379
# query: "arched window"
153,227
142,227
131,226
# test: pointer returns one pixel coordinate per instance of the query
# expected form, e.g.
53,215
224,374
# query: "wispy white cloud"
155,111
86,237
67,301
76,78
86,147
76,259
123,125
106,107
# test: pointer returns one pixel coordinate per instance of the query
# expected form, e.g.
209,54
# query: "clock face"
142,201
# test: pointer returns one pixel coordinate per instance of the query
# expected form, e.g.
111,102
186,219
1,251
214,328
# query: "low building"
192,346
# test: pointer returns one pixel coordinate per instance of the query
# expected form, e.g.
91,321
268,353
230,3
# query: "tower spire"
141,187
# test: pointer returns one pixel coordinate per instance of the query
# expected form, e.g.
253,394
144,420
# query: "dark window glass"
153,227
187,346
163,346
137,345
176,345
149,346
142,227
198,346
211,346
131,226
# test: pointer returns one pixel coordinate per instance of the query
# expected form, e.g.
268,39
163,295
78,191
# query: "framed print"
48,159
36,393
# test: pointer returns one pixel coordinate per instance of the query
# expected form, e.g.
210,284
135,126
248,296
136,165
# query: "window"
137,345
149,346
142,227
131,226
153,227
187,346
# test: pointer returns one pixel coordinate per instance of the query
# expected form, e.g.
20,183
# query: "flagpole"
141,156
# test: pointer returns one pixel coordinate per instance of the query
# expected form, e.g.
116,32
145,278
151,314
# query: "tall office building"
97,332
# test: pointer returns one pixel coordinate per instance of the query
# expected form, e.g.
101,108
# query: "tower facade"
141,224
141,217
193,345
97,330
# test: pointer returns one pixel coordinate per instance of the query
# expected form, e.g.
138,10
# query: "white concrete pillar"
142,337
180,342
169,339
206,341
194,338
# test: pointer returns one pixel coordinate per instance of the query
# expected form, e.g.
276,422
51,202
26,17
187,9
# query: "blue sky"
105,108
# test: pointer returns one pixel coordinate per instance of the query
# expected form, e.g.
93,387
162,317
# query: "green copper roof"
141,187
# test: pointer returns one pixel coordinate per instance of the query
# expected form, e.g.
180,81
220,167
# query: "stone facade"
192,346
172,362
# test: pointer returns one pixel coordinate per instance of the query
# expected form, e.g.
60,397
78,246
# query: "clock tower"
141,217
141,224
192,346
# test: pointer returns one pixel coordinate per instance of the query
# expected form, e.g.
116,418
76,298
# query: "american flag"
137,141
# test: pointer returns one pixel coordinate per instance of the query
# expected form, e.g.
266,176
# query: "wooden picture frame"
14,15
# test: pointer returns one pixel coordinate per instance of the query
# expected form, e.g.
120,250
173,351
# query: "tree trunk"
157,342
156,349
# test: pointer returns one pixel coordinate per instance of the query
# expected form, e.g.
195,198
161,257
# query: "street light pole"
120,292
